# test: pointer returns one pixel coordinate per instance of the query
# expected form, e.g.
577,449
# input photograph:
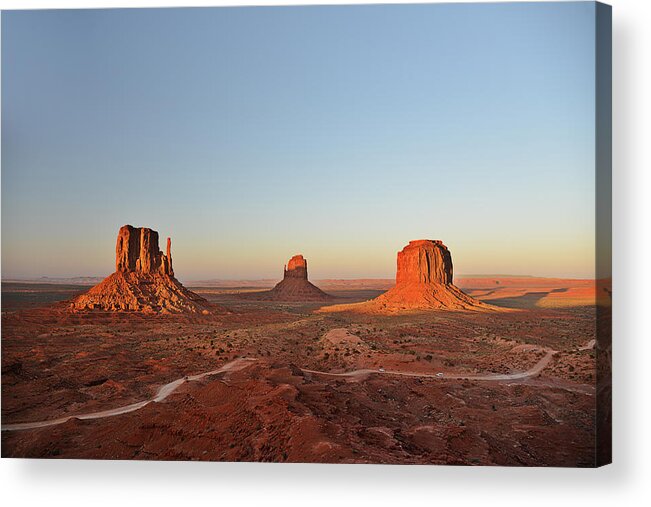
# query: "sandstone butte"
143,280
423,282
294,287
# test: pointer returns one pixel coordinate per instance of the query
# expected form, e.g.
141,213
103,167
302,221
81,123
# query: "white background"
626,482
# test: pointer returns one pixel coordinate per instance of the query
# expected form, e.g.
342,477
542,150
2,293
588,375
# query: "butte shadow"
143,280
423,282
294,287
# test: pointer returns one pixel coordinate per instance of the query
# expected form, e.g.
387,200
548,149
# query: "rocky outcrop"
423,282
296,268
137,251
143,280
294,287
424,261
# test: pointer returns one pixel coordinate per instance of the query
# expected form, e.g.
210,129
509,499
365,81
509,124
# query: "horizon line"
254,279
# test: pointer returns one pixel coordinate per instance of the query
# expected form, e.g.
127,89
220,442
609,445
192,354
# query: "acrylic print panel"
444,168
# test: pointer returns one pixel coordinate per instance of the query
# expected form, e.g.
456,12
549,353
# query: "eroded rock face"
423,282
143,280
137,251
424,261
296,267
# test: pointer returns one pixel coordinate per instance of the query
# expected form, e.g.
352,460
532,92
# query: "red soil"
56,363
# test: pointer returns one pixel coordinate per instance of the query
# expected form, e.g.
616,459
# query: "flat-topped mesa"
423,282
424,261
143,280
137,251
296,267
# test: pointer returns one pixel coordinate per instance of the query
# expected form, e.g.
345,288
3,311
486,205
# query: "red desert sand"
423,282
143,280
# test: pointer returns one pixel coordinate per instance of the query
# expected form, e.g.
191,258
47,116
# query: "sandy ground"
515,388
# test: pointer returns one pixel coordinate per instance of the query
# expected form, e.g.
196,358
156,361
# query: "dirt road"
162,393
359,374
241,363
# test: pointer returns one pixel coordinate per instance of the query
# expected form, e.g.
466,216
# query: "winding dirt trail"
241,363
162,393
360,374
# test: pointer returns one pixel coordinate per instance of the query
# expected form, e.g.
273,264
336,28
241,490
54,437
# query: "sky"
251,134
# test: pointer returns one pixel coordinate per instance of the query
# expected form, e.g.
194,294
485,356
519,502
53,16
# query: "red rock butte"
296,268
423,282
294,287
143,280
137,251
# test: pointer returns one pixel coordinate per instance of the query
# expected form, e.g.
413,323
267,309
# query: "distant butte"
143,280
294,287
423,282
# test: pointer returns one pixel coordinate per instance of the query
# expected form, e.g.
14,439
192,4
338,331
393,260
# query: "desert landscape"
428,368
384,234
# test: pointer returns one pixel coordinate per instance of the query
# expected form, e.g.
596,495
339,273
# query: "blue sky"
252,134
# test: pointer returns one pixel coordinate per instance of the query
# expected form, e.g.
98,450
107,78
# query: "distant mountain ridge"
75,280
324,283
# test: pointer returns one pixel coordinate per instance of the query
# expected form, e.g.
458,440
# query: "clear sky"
252,134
